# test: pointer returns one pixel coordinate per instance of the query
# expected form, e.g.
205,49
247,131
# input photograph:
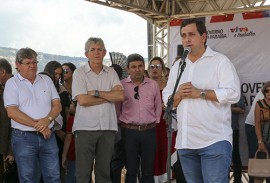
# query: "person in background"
237,109
5,126
207,88
156,70
32,103
68,156
68,70
262,123
118,158
139,114
55,70
96,88
250,130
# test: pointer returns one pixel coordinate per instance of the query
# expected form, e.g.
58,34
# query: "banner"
245,39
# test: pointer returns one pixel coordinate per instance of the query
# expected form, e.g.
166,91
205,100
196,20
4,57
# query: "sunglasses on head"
66,71
158,66
136,95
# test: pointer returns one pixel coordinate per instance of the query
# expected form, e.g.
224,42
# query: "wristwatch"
50,119
203,94
96,94
259,141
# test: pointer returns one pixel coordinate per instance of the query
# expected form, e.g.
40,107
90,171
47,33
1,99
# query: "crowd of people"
66,123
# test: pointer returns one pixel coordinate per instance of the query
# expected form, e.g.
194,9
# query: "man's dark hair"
5,65
134,57
25,53
201,28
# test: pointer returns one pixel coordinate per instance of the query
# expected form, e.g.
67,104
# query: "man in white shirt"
96,87
32,103
208,87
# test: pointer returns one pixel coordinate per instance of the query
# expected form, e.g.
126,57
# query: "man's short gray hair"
93,40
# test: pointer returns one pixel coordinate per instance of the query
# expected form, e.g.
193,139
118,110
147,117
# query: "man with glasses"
96,88
32,103
139,114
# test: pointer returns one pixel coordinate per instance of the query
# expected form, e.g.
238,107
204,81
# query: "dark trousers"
252,143
90,145
1,167
178,172
118,162
139,145
237,164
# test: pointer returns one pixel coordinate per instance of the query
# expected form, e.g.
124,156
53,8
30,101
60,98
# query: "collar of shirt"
208,53
129,80
87,68
21,78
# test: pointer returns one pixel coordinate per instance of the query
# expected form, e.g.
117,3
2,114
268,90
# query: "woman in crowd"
68,157
262,123
156,70
55,70
68,69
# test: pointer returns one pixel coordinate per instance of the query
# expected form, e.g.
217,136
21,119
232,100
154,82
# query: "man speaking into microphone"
207,88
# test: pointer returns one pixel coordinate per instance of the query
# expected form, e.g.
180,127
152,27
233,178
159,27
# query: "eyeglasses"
136,95
98,50
158,66
30,63
65,71
266,90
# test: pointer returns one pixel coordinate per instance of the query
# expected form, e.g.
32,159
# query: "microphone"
187,50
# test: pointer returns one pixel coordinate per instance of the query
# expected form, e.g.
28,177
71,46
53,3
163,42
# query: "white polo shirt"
35,99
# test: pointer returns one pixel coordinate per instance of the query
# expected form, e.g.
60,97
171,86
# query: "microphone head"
187,49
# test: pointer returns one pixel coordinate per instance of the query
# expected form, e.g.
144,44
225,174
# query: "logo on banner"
242,32
216,34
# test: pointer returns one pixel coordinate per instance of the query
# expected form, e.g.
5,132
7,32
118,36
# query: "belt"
138,127
33,132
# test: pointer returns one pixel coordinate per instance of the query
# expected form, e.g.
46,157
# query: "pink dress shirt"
147,109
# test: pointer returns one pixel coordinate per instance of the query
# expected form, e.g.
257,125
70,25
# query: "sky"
63,26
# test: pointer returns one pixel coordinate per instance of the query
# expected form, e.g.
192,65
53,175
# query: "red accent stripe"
253,15
222,18
176,22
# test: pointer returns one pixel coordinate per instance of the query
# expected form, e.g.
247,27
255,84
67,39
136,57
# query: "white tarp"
245,39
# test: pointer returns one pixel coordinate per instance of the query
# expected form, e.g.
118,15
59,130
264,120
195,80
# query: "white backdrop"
245,39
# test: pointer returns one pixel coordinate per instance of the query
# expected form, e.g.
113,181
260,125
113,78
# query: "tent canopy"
160,11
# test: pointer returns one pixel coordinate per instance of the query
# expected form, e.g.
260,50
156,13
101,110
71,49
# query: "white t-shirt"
35,100
203,122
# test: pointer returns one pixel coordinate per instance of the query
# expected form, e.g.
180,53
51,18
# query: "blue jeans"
207,165
35,156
